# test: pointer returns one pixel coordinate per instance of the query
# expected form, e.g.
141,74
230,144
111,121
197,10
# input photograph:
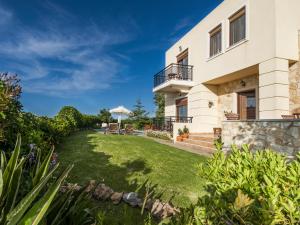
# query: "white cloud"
183,23
5,16
62,58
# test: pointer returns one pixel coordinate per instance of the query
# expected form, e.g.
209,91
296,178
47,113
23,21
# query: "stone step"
196,147
205,144
196,135
203,134
201,138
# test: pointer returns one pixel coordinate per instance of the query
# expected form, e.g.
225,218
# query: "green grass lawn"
124,162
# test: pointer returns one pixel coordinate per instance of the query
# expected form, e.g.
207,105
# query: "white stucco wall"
170,107
272,27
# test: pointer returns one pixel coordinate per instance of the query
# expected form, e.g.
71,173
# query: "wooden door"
247,105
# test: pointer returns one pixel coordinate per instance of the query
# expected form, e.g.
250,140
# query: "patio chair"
129,129
113,128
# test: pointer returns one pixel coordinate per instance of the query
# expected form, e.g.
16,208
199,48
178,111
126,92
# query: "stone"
132,199
157,209
294,78
116,197
102,192
91,186
70,187
149,204
278,135
163,210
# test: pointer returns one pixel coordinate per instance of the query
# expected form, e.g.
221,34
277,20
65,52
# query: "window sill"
236,44
215,56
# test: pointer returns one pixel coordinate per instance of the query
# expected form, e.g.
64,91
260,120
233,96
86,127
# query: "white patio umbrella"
120,111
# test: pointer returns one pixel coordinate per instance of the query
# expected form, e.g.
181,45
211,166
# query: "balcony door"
247,105
183,62
181,110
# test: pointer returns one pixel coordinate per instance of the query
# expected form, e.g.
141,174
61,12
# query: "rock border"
102,192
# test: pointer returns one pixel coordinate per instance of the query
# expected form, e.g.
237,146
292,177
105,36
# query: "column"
273,88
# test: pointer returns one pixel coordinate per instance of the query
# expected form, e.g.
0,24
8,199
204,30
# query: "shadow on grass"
89,164
92,165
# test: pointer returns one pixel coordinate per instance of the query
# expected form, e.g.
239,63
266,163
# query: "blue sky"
91,54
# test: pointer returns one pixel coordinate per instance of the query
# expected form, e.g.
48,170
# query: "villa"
240,61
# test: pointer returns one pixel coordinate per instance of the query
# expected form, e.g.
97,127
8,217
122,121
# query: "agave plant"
33,207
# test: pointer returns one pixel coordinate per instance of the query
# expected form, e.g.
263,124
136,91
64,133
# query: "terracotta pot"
232,116
185,135
217,131
179,138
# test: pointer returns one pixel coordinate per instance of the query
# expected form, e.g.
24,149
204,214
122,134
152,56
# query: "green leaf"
267,180
37,212
11,166
14,187
43,169
61,208
37,163
1,182
3,161
16,214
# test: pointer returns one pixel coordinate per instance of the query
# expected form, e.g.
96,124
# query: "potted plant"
180,135
231,116
185,132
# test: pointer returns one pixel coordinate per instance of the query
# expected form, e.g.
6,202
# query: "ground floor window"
182,108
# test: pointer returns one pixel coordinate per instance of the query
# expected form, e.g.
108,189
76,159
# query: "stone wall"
227,100
280,135
294,78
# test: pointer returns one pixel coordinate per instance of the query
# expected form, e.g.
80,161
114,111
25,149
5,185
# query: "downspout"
299,50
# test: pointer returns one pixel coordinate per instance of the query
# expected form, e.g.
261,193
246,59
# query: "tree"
90,121
68,119
139,115
10,108
105,116
159,100
138,112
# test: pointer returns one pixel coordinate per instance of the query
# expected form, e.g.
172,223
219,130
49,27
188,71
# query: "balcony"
174,78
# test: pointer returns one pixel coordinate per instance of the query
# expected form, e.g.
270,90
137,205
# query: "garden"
52,169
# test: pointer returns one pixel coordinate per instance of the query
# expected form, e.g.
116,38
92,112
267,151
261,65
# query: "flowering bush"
39,130
159,134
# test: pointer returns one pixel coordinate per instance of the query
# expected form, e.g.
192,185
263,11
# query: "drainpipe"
298,53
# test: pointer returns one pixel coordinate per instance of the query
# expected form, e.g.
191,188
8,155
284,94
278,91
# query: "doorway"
182,63
247,105
181,109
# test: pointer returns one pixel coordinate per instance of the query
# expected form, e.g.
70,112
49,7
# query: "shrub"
10,108
180,132
68,120
185,130
90,121
159,134
29,193
246,187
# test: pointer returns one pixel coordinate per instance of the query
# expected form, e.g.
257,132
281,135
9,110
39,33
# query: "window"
215,41
183,58
182,109
238,27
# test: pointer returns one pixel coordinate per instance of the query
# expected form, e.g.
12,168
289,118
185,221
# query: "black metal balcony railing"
167,123
174,72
